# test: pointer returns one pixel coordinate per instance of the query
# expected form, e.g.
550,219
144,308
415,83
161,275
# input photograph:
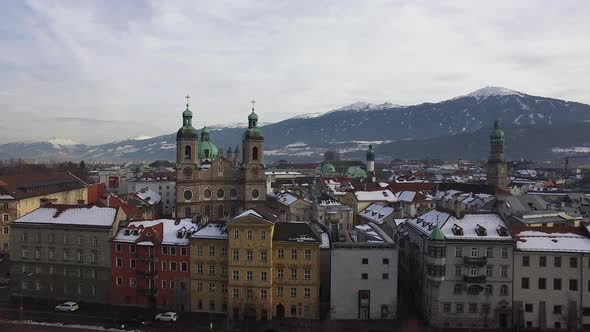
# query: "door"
503,321
280,311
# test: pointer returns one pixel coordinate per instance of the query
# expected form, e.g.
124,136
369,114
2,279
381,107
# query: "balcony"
475,279
478,261
146,257
151,273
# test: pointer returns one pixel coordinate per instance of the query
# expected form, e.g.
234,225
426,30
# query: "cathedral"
211,185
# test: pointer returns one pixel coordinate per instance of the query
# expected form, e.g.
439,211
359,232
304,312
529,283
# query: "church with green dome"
213,186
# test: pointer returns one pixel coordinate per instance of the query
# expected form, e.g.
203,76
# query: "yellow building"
272,268
23,193
208,270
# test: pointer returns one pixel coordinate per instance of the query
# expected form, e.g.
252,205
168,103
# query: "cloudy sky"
98,71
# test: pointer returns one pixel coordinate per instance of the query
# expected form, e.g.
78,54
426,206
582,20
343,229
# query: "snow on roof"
329,202
249,212
541,241
325,241
170,227
376,196
285,198
475,226
71,215
145,243
406,196
6,197
399,221
149,196
211,231
376,213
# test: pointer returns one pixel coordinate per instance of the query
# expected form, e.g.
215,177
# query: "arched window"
220,211
206,153
489,290
188,213
255,153
187,152
207,211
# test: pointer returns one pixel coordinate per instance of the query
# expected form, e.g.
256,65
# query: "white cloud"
134,61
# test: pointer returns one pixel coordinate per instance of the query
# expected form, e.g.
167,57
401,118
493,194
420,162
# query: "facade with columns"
211,185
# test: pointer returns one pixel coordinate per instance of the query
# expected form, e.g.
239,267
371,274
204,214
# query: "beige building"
334,215
62,252
290,206
211,185
23,193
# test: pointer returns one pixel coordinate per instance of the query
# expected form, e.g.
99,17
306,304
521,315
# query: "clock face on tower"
255,171
187,171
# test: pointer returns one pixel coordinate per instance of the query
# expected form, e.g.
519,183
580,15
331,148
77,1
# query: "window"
280,291
118,262
249,255
119,281
51,253
132,248
211,269
199,268
236,234
458,270
199,250
307,292
489,270
458,289
263,294
293,292
459,307
132,282
489,290
385,276
223,270
504,290
236,254
293,310
504,271
386,261
525,283
183,267
164,265
211,287
164,250
263,255
573,284
365,276
458,252
365,261
223,251
557,284
199,286
489,252
249,275
574,262
557,309
528,307
164,283
173,267
473,271
236,293
525,261
173,251
504,252
446,307
263,235
118,247
183,251
80,255
474,252
542,283
94,256
307,274
557,261
249,293
293,274
542,261
132,263
249,234
255,153
236,275
307,254
293,254
224,288
280,273
280,253
472,308
263,276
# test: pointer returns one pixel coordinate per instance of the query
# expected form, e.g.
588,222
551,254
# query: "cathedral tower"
253,161
496,167
371,163
186,164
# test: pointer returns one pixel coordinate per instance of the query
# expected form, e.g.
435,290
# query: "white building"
334,215
363,282
164,184
552,278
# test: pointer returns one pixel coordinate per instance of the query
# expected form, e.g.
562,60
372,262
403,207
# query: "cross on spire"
187,98
253,102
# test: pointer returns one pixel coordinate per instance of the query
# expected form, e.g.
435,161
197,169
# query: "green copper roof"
207,150
187,131
328,169
205,130
253,116
436,234
370,153
497,135
356,172
253,132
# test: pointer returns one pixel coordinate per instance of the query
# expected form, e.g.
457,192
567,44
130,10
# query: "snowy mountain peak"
140,138
364,106
490,91
61,141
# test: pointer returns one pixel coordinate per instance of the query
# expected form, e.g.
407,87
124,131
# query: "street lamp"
21,291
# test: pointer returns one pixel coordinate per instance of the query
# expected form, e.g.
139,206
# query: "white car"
167,316
67,306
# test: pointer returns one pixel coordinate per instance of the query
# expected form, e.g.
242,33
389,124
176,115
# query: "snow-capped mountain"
352,128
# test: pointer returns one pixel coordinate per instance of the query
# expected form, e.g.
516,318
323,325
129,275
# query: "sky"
104,70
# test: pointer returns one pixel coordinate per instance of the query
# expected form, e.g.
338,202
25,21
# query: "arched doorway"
280,311
250,313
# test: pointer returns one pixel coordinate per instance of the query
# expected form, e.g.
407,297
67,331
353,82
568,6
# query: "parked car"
67,306
136,321
167,316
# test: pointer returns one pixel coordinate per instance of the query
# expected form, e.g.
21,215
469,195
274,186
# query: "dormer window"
480,230
502,231
126,232
457,230
135,232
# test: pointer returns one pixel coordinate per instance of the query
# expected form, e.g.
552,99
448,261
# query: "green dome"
253,116
436,234
497,135
187,113
253,132
356,172
328,169
371,153
187,131
207,150
205,130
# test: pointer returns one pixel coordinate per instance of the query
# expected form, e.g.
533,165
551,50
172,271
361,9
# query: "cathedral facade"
211,185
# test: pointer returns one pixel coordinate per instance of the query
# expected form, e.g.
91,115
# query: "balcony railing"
475,279
479,261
